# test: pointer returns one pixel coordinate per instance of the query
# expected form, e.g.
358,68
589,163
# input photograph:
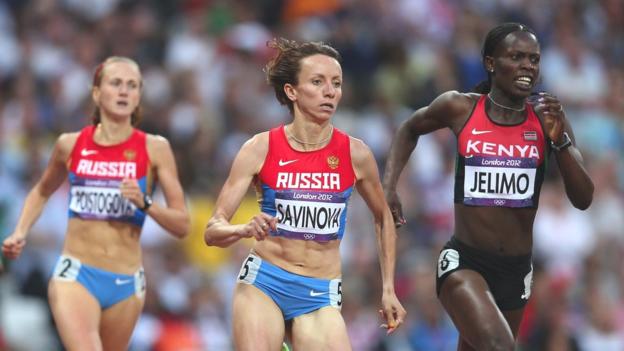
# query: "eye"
337,84
133,85
535,59
316,81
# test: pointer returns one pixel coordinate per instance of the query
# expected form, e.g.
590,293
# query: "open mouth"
524,81
327,105
122,103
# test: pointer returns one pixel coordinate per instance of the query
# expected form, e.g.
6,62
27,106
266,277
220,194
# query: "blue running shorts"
294,294
107,287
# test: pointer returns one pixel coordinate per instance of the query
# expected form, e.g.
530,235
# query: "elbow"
210,239
183,229
583,202
582,205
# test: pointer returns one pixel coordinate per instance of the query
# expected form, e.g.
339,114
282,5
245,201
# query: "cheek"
306,94
135,98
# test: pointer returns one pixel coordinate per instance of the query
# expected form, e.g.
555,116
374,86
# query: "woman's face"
515,64
319,89
119,92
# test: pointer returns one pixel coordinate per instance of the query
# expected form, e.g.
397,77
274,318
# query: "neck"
111,132
505,107
309,137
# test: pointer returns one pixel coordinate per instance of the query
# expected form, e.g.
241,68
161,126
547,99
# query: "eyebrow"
316,75
125,80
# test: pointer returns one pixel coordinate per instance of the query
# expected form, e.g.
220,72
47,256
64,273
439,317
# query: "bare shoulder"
257,146
360,152
158,148
156,143
65,144
154,140
453,107
454,102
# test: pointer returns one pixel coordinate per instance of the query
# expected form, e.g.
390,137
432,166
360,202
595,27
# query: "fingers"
12,248
548,104
261,226
130,190
399,221
397,216
394,318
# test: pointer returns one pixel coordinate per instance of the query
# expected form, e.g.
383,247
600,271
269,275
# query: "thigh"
258,324
323,329
514,318
470,304
118,322
76,314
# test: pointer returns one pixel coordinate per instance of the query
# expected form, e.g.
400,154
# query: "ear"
489,64
290,92
95,95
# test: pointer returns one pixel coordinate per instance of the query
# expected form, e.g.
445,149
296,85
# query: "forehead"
518,41
320,64
121,69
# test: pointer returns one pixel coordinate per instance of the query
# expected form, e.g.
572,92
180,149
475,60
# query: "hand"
13,245
551,111
395,208
392,312
131,190
259,226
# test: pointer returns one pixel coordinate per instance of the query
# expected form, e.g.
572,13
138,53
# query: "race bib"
499,181
100,200
309,215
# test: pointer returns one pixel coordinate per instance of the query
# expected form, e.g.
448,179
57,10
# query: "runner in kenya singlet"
500,165
307,191
95,172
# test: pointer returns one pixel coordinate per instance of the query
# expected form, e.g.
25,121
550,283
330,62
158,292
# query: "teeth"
525,79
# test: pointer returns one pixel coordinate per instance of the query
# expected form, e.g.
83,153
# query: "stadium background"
205,91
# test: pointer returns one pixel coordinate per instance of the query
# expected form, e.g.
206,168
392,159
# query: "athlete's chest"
129,161
330,170
524,141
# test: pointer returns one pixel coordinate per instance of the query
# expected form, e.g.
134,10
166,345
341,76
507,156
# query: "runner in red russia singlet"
500,165
95,172
307,191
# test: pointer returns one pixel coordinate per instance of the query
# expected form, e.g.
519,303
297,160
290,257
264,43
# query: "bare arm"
578,185
369,186
52,178
174,216
447,110
219,231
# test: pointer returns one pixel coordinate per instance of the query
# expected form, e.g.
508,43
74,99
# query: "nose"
529,64
123,89
329,91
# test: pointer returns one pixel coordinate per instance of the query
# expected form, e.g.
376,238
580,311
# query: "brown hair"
284,68
137,114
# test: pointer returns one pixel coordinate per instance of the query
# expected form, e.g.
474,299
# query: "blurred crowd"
204,89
